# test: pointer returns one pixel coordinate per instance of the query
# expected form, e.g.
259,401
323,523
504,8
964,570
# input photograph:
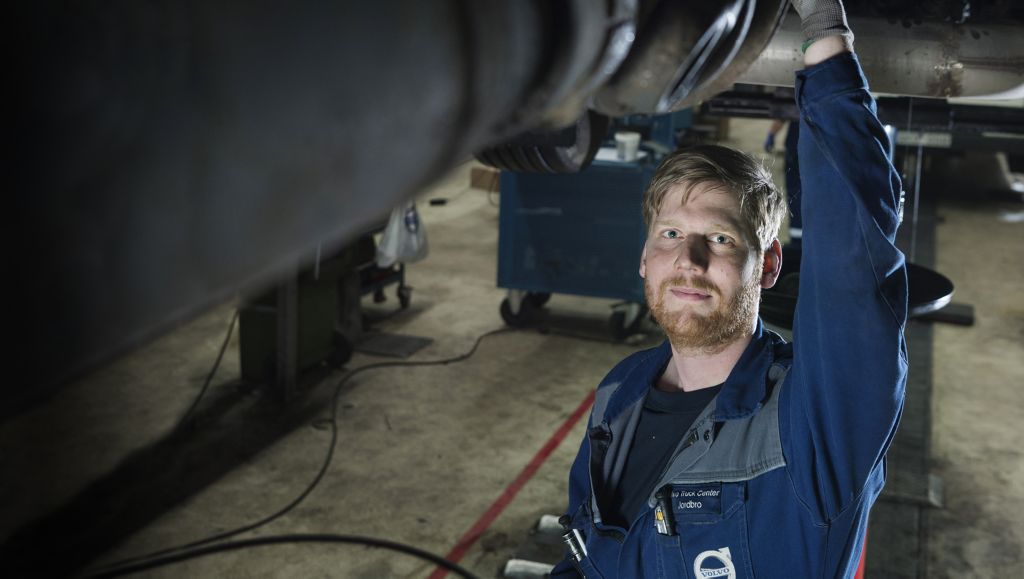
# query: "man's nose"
693,254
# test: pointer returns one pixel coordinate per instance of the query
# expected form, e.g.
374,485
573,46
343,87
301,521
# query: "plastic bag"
404,238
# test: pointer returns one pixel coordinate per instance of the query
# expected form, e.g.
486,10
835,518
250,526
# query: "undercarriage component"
931,59
965,127
170,154
590,40
565,151
683,52
685,49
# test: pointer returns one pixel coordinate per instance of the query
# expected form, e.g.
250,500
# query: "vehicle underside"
171,154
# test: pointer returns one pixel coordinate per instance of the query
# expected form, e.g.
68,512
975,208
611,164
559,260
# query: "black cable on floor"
213,370
547,331
331,422
284,539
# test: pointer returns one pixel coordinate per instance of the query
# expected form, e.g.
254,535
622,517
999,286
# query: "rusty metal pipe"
931,59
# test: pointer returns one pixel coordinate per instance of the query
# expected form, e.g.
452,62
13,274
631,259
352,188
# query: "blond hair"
762,206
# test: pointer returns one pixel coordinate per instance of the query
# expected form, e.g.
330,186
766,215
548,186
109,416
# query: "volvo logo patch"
714,564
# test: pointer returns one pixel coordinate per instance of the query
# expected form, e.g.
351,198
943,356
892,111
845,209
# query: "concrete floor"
424,452
978,398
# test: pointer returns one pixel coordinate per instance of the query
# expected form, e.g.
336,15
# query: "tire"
526,317
538,299
591,128
404,296
618,328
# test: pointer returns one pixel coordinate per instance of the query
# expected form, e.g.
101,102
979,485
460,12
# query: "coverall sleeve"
846,387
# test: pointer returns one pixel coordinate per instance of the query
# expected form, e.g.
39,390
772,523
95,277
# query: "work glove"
769,143
822,18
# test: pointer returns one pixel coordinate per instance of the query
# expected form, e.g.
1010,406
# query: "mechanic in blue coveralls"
726,452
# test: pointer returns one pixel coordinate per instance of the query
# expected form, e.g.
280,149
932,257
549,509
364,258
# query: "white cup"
627,143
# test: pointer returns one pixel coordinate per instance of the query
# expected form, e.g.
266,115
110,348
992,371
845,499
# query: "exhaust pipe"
932,59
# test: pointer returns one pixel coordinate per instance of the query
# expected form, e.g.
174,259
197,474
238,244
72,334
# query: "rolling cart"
582,234
373,278
576,234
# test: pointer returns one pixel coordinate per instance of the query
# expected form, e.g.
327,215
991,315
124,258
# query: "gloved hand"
822,18
769,143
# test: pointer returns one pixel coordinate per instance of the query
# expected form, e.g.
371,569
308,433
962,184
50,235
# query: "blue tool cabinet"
579,234
582,233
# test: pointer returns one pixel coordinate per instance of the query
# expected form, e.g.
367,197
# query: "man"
726,452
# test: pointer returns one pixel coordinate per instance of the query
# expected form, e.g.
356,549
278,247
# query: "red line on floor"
496,508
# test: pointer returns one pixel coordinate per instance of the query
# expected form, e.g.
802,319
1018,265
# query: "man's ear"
772,264
643,263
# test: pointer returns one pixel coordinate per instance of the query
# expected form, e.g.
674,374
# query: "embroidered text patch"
699,499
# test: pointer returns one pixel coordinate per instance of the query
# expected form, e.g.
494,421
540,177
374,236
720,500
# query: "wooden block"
484,178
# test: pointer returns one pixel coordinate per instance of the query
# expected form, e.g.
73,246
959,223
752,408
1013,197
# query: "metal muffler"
929,59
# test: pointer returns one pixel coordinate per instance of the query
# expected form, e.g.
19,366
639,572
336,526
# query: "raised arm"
847,382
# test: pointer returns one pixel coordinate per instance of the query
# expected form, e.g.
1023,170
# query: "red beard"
705,333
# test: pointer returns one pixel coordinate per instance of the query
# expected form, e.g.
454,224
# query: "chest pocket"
710,540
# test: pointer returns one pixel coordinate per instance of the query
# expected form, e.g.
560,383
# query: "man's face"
702,275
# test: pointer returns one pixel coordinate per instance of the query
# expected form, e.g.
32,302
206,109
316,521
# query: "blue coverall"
776,477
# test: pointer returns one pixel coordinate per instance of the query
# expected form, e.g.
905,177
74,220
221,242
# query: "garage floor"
463,456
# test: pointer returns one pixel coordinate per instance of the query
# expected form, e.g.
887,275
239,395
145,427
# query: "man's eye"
671,234
720,238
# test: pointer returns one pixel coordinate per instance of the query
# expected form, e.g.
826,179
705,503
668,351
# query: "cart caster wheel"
622,327
539,299
527,314
404,296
